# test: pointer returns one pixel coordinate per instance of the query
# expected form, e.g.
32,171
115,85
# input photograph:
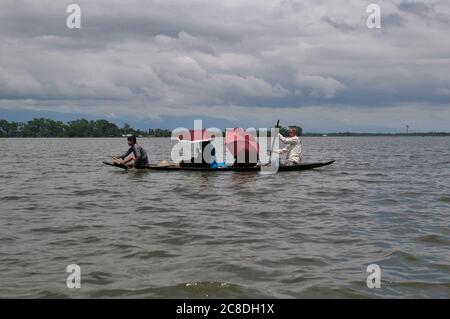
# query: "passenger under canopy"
243,146
203,139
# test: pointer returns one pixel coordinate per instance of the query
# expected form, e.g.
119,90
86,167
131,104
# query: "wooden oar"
273,142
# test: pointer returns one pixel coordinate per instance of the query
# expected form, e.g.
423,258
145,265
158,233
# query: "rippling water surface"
194,234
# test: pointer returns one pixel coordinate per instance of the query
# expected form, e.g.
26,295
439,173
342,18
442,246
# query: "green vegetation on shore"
79,128
43,127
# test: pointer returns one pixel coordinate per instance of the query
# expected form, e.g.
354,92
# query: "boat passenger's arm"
282,138
283,150
289,140
126,153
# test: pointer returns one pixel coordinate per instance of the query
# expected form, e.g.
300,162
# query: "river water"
311,234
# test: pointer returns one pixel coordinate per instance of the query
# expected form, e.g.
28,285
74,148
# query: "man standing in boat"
293,149
140,156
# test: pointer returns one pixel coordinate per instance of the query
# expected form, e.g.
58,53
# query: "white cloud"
172,57
319,86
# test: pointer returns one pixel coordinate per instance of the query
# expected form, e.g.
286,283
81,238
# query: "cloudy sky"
163,63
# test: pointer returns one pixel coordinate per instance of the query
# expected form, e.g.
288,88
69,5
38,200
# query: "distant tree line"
43,127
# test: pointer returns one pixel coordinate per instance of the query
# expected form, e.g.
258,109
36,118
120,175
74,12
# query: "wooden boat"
173,167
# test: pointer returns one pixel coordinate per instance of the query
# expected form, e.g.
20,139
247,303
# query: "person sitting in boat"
140,159
293,149
202,159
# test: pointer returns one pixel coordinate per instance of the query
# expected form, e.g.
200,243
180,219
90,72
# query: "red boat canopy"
242,143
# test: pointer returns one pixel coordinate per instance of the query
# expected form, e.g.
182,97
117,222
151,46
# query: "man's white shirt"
293,149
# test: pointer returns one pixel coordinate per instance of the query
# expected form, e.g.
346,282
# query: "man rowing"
293,149
140,159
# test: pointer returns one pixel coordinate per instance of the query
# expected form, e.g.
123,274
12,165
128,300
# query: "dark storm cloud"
421,9
341,25
212,58
392,20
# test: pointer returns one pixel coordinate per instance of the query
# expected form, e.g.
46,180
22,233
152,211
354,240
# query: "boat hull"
300,167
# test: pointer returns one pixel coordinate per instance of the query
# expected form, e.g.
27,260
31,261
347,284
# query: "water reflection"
242,179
